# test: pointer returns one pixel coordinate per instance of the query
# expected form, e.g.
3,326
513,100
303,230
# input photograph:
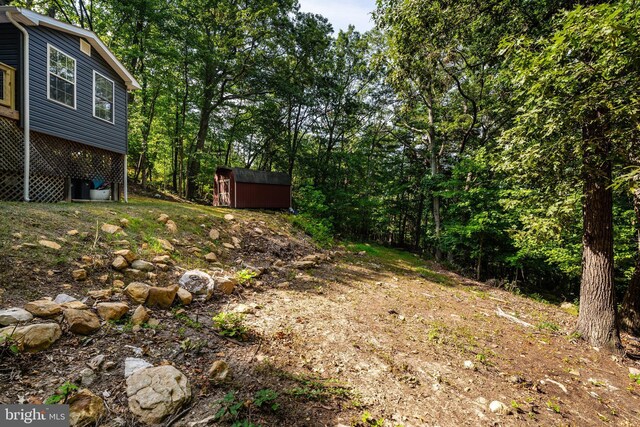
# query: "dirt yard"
358,336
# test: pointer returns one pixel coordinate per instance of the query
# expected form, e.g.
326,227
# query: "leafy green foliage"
229,407
61,394
266,398
245,276
370,420
231,325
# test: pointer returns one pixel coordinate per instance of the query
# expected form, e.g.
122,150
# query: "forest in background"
497,137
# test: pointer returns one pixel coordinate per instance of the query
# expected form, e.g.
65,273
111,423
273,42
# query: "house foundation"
58,167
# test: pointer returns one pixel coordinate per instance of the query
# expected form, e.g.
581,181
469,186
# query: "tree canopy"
497,137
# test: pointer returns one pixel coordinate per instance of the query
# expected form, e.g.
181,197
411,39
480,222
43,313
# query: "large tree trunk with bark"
630,312
597,318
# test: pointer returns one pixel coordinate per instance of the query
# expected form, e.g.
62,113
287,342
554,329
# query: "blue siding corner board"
10,51
77,124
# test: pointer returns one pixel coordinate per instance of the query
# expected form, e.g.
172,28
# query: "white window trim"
113,103
75,76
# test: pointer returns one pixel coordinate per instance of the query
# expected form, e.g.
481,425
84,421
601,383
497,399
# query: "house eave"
32,19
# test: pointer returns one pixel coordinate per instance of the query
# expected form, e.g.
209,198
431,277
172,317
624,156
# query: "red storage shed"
246,188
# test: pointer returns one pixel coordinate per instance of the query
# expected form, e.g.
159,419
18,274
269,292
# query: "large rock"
214,234
32,338
211,257
137,292
79,274
166,245
219,371
49,244
229,217
303,264
119,263
140,315
172,227
100,294
112,310
163,218
85,408
162,259
127,254
499,408
78,305
227,284
143,265
64,298
134,364
156,393
43,308
110,228
198,283
82,322
13,315
161,297
185,296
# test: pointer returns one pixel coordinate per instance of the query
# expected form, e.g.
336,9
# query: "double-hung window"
61,83
103,97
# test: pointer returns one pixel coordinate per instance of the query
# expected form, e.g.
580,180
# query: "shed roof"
259,177
30,18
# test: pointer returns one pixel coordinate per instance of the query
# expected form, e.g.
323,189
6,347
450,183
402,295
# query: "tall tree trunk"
434,161
597,318
630,311
193,166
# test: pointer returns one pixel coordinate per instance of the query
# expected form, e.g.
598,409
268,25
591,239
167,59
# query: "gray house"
63,111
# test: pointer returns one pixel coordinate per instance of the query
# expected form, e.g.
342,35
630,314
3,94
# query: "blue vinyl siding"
77,124
10,52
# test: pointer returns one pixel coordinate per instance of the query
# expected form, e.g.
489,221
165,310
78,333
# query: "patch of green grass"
635,378
188,321
319,229
548,326
362,247
320,390
192,346
553,405
434,277
309,387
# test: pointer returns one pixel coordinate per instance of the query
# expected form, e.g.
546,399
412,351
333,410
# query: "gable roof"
32,19
259,177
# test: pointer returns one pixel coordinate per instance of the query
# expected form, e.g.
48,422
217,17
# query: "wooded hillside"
497,137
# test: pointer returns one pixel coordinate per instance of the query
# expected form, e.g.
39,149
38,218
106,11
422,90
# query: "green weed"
230,325
61,394
245,277
266,398
369,420
548,326
229,406
554,406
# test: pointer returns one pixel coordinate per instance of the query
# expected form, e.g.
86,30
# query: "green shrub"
230,325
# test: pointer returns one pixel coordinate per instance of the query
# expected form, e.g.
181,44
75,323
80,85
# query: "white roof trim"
30,18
